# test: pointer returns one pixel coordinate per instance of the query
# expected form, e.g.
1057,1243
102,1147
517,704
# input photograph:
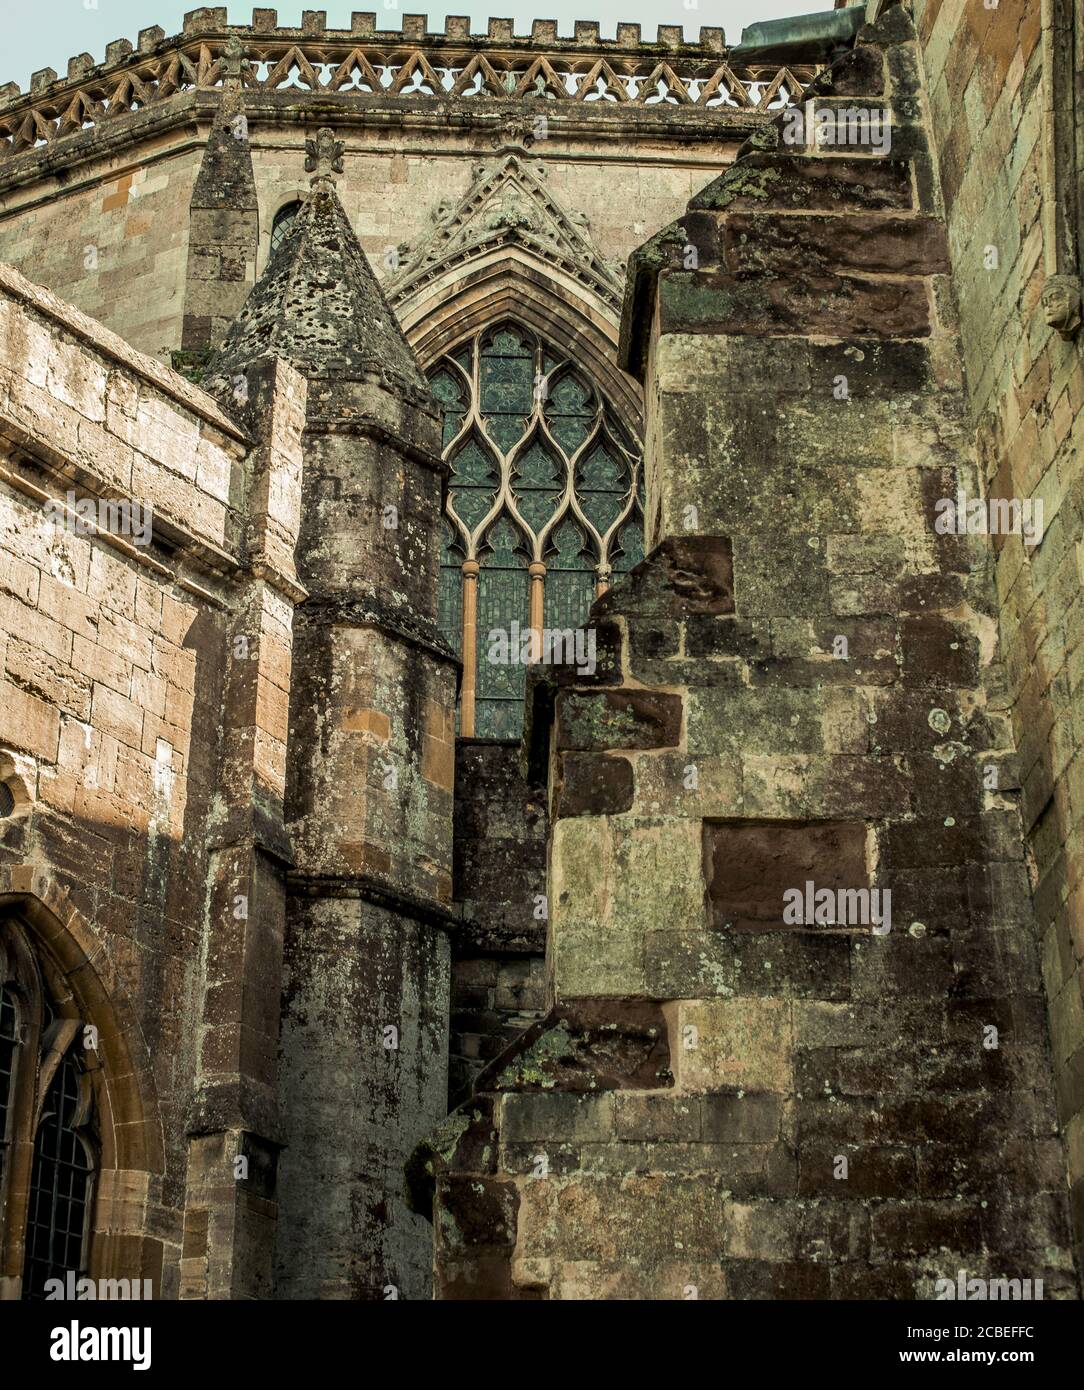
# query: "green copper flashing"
812,36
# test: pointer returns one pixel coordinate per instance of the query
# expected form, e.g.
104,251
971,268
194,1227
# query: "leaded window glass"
502,599
280,226
450,595
545,505
59,1187
570,578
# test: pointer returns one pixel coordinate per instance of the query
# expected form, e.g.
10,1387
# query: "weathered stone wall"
355,1105
499,879
119,248
801,684
115,245
123,730
999,90
369,782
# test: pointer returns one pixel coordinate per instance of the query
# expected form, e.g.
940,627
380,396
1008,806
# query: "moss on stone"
441,1143
190,364
533,1067
738,182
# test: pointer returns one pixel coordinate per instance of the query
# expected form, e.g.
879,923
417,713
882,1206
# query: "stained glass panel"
537,486
519,381
502,601
506,387
473,484
452,396
570,578
602,485
569,412
630,540
9,1024
450,592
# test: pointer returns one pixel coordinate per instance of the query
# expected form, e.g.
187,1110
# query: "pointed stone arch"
417,68
510,282
479,67
601,83
355,63
509,286
292,61
551,81
662,73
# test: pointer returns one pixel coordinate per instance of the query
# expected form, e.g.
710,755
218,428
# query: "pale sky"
46,33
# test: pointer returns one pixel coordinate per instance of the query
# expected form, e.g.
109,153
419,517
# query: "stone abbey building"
541,641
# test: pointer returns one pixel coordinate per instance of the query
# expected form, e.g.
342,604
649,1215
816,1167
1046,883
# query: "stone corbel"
1061,301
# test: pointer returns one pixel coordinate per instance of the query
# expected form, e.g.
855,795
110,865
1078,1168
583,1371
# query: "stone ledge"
95,335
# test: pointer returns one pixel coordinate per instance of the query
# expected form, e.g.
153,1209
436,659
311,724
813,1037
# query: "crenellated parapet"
410,64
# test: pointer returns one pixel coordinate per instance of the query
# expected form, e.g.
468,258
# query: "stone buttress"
223,223
800,684
364,1030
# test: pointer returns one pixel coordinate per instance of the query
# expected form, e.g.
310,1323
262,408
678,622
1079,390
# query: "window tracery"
544,506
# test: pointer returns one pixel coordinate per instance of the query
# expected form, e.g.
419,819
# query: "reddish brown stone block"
814,302
786,182
762,243
749,866
684,575
593,786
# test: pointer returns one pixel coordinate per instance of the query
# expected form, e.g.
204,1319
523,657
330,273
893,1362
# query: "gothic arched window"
545,505
47,1145
281,224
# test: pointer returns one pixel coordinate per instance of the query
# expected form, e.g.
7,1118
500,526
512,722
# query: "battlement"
410,63
415,27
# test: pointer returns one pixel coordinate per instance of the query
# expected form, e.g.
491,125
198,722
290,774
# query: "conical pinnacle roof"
318,306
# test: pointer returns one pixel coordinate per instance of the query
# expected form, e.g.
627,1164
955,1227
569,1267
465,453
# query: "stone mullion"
470,648
537,572
19,1157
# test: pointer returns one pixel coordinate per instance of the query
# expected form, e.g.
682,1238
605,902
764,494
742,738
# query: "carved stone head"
1061,302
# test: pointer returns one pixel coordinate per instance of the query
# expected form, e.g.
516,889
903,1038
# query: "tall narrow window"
502,608
60,1186
545,506
47,1141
